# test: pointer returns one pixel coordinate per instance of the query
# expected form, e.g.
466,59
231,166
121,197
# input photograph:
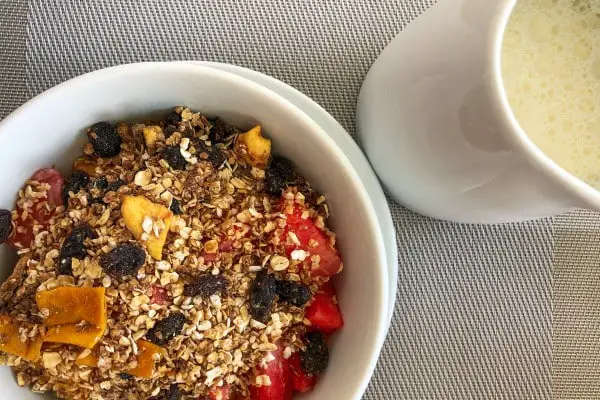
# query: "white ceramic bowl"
49,130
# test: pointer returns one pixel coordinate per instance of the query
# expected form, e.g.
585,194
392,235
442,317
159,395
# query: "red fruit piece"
159,295
314,241
324,313
40,213
53,178
301,381
278,371
220,393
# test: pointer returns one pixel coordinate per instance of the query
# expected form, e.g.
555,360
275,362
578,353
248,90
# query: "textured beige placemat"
576,307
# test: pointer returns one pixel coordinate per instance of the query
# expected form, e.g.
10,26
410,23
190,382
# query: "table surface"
483,312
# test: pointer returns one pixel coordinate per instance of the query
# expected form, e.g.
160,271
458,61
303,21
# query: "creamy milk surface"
551,73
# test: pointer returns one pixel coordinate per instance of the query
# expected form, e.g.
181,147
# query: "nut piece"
279,263
137,209
254,148
143,178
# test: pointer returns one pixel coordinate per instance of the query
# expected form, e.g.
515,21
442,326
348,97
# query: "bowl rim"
379,331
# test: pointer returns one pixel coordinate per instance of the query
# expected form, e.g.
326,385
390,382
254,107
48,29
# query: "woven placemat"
474,309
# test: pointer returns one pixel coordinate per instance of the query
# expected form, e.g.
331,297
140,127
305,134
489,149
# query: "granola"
180,259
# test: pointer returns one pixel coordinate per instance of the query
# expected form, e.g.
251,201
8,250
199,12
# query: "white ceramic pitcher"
435,122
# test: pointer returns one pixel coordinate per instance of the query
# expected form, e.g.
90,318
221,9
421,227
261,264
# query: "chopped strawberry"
159,295
53,178
226,245
220,393
327,288
301,381
278,371
312,240
40,212
324,313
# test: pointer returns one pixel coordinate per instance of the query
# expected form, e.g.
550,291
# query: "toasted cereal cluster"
177,260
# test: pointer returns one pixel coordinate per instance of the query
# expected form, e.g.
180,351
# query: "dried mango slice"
86,165
148,355
76,315
254,148
82,335
72,305
10,342
148,222
87,358
151,134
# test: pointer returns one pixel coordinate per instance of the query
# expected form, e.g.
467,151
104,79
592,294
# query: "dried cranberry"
166,329
123,260
105,139
172,155
294,293
262,294
5,225
315,357
75,183
74,247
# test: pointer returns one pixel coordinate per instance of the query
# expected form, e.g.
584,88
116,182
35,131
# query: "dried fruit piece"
105,139
123,260
176,207
173,118
172,155
262,295
283,167
278,371
315,357
301,381
294,293
5,224
75,183
205,286
211,154
86,165
53,178
220,130
159,295
148,353
166,329
137,211
151,134
11,343
74,247
87,358
76,315
254,148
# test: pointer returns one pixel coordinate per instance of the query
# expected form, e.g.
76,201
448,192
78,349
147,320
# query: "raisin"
315,357
172,394
173,118
166,329
262,294
210,153
284,167
205,286
123,260
176,207
220,130
274,182
76,182
169,130
172,155
125,376
5,225
105,139
293,293
74,247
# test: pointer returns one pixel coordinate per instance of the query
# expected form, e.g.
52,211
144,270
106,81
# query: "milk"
551,73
